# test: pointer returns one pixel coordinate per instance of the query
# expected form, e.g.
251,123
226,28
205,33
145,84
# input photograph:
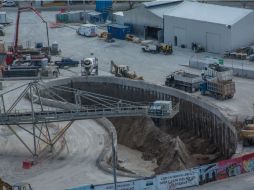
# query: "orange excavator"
14,51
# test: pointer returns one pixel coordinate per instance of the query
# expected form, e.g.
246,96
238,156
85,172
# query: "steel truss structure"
87,105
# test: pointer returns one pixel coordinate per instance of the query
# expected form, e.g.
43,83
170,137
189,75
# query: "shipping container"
118,31
95,17
74,16
103,5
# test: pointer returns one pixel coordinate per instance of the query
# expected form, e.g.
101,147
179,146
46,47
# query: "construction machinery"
89,67
217,81
184,81
22,186
247,133
124,71
107,37
218,89
157,48
17,186
16,51
32,68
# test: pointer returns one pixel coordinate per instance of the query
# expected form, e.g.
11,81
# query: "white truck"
89,66
88,30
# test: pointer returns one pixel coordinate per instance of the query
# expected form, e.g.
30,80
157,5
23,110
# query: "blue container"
103,5
131,27
118,31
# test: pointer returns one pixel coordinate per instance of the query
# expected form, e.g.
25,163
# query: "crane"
20,10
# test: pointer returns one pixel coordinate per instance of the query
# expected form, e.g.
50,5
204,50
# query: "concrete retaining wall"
195,114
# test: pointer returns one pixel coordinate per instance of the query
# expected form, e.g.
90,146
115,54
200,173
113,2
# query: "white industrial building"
216,28
147,18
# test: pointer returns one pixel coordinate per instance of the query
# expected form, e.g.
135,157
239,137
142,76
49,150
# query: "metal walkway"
89,113
87,105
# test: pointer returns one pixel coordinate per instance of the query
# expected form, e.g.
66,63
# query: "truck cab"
67,62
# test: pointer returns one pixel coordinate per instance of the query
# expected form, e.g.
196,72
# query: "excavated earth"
173,149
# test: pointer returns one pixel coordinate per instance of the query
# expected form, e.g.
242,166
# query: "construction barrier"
186,178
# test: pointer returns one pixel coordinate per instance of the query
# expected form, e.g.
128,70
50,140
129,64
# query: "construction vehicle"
247,133
184,81
16,51
157,48
218,89
18,186
166,49
107,37
124,71
89,67
217,81
22,186
151,48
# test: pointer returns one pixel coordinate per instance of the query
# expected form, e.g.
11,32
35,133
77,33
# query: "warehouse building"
147,18
216,28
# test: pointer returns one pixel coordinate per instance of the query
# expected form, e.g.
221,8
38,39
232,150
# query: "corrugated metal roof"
119,13
162,10
160,2
209,13
118,26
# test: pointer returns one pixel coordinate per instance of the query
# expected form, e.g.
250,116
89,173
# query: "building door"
179,36
213,44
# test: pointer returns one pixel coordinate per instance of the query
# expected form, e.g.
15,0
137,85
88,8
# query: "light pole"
114,161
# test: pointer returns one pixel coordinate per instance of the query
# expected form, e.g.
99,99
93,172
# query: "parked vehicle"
219,89
151,48
124,71
89,67
157,48
88,30
67,62
247,133
8,3
184,81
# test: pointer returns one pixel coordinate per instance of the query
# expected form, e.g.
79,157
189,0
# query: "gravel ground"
154,68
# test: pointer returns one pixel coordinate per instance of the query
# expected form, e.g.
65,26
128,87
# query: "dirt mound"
141,134
173,149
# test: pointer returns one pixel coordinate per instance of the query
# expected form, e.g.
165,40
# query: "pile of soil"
172,151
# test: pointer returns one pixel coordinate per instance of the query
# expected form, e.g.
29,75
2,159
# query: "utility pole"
114,161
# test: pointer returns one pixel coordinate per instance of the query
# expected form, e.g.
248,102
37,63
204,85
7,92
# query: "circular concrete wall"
195,114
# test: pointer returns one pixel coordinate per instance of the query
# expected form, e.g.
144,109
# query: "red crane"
21,9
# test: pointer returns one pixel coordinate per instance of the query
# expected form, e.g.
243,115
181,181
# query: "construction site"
92,104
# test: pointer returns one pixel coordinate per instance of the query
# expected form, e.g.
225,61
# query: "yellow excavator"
18,186
124,71
247,133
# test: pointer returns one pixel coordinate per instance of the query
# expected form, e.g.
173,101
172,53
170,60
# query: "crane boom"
21,9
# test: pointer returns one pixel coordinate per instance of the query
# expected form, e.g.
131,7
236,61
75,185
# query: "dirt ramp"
141,134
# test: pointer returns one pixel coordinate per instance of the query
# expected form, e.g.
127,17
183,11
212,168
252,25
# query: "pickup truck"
66,62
